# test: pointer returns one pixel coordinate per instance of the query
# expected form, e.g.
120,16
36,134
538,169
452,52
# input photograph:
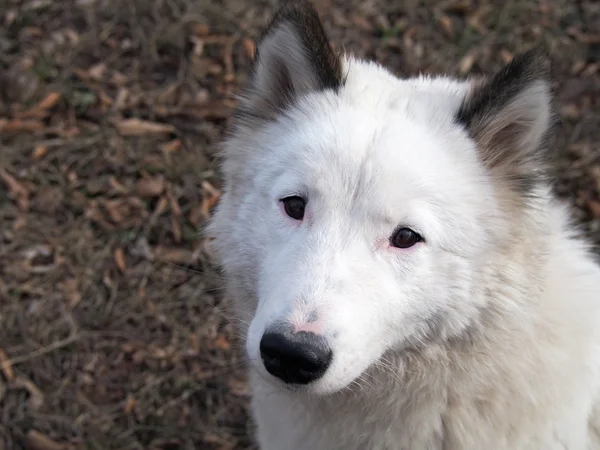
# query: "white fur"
486,336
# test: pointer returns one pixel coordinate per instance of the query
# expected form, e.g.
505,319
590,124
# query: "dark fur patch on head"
292,57
494,94
303,17
509,116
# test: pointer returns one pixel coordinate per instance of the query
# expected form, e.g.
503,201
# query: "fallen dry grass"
111,335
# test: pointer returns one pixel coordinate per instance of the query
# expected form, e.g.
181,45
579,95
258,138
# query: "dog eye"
294,207
405,238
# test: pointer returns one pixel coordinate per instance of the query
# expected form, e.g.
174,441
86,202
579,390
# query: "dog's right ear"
509,117
293,58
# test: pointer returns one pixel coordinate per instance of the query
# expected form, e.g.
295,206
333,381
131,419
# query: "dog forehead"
346,149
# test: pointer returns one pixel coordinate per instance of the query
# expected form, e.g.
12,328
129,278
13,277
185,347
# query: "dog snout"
295,357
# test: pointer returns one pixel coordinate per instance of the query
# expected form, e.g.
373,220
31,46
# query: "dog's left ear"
293,57
509,116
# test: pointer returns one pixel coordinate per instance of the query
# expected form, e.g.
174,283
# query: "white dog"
407,277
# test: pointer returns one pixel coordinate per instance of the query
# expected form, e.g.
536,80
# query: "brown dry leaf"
19,222
71,35
151,187
198,48
50,101
466,63
194,215
171,146
10,17
40,259
125,211
213,110
407,38
97,71
476,19
70,289
6,366
120,260
570,111
39,441
94,73
118,79
215,68
94,213
105,101
151,307
16,190
217,39
39,152
132,346
169,94
588,38
506,55
228,61
194,343
41,109
591,70
573,31
594,206
201,29
115,210
173,203
36,397
176,229
121,100
20,126
129,405
139,127
362,23
212,438
222,343
174,255
92,363
545,8
116,185
80,73
578,66
32,32
160,208
209,199
238,388
107,280
66,132
249,48
446,24
159,353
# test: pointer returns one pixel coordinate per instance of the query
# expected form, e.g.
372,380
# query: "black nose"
295,358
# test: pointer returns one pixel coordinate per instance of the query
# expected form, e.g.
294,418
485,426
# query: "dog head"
359,208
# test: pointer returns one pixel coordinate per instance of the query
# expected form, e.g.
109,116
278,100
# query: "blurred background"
111,111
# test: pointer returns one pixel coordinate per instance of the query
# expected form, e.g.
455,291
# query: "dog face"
359,208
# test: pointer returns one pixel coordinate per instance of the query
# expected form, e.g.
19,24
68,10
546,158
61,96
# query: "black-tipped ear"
509,115
293,57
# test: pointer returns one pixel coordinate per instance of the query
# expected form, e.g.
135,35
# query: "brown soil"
111,112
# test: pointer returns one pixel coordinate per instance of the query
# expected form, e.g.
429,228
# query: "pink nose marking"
313,327
306,322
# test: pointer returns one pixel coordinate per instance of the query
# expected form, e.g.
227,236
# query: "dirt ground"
111,332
